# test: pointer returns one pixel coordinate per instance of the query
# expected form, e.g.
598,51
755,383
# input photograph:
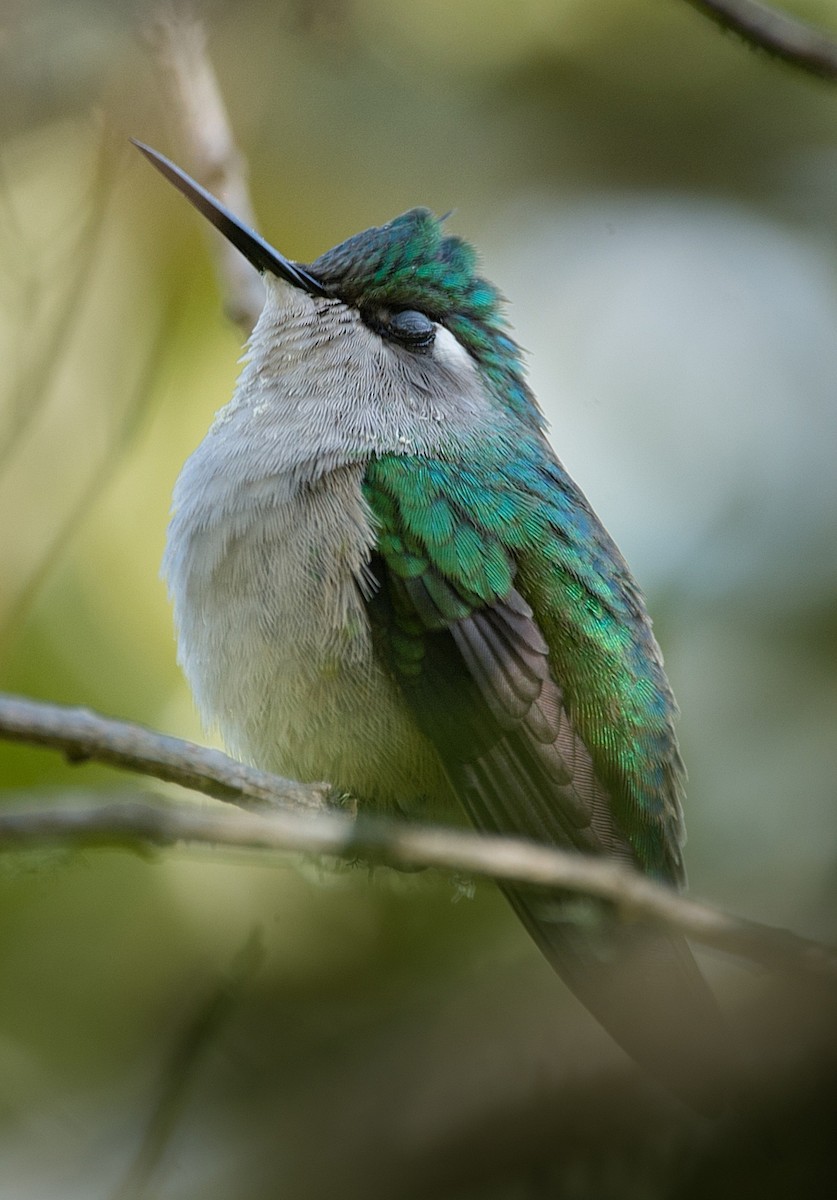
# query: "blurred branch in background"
189,80
83,735
122,434
199,1032
43,342
794,42
54,433
52,276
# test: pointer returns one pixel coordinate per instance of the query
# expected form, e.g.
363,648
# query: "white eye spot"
448,351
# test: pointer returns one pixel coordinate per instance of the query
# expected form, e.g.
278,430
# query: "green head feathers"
411,263
407,264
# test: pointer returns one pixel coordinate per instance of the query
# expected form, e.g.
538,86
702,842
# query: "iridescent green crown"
411,263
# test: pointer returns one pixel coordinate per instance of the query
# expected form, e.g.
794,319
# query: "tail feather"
487,699
642,985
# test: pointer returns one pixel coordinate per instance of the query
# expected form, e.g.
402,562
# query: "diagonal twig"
188,78
204,1025
83,735
783,36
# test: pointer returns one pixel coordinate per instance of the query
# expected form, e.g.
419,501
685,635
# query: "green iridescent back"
509,515
477,530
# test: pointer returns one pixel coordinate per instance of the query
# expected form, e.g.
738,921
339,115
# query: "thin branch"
189,80
397,844
84,735
793,41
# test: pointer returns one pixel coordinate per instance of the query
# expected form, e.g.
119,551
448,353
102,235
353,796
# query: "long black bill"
255,249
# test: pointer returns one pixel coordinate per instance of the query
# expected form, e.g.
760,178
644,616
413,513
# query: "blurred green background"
659,203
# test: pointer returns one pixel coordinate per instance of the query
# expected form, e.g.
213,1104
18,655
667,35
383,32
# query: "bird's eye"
413,329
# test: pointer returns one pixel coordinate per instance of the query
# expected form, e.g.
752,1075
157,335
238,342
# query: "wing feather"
481,679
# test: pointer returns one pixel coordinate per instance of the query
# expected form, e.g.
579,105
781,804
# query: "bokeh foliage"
658,203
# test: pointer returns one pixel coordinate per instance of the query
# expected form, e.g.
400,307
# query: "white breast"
274,638
270,537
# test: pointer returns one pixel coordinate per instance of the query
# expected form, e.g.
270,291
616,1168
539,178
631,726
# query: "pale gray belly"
274,638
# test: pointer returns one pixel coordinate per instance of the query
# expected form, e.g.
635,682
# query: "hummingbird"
383,576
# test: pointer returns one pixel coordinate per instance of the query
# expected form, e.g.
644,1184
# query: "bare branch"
189,80
785,37
84,735
633,896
